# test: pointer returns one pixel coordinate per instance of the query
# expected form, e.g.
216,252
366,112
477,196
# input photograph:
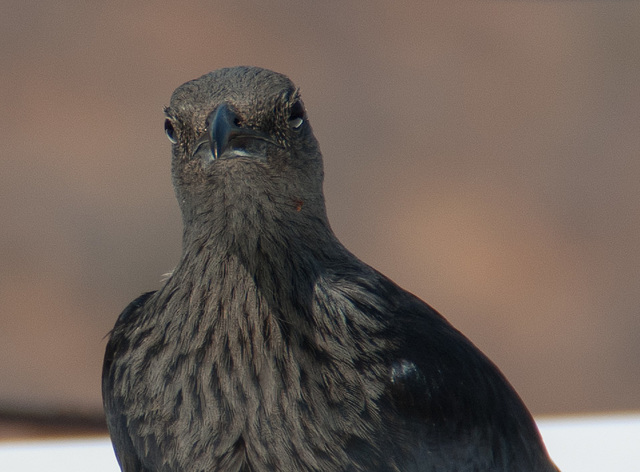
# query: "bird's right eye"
296,119
170,131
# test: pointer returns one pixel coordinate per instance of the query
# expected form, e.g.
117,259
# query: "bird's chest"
230,390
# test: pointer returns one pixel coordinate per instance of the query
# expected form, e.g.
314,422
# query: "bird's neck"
269,254
259,228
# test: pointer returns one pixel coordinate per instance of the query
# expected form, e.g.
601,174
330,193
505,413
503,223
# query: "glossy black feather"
273,348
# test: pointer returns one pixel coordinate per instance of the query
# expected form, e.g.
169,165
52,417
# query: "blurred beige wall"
483,155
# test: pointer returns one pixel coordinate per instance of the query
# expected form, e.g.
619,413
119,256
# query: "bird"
271,347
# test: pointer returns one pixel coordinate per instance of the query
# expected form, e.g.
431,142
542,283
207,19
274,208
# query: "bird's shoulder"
125,452
117,340
438,383
134,307
431,368
127,317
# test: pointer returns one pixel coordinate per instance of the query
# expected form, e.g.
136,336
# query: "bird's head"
240,137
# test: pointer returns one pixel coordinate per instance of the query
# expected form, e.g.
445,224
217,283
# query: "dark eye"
170,131
296,118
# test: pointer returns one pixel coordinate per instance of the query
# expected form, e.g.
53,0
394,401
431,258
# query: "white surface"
86,455
576,444
595,443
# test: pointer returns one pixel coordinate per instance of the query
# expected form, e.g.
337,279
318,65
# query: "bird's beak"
224,133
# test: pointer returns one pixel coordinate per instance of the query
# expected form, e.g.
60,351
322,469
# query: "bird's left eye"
296,118
170,131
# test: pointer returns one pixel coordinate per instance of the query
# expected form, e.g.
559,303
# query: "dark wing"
446,388
116,421
446,396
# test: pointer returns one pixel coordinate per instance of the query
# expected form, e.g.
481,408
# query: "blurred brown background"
483,155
